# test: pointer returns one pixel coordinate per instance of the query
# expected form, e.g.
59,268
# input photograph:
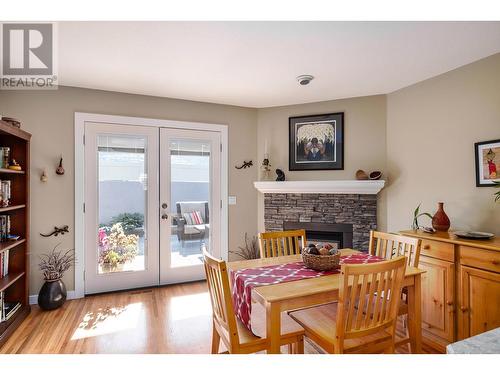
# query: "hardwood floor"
171,319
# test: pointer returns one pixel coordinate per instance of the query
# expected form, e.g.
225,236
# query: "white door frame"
80,119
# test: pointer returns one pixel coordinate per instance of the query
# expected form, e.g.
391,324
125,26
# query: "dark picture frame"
316,142
487,157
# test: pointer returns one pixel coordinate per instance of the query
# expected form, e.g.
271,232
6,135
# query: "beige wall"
49,116
431,130
420,137
364,147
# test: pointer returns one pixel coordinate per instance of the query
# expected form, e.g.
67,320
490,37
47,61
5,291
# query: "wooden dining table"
286,296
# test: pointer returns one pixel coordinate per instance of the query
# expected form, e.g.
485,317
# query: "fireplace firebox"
340,234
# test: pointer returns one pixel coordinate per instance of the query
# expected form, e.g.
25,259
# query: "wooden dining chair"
388,246
275,244
371,328
226,327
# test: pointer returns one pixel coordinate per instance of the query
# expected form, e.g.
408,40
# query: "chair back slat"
388,246
220,297
369,298
276,244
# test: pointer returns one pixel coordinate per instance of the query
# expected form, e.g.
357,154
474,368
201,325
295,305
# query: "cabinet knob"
495,262
426,247
449,303
463,308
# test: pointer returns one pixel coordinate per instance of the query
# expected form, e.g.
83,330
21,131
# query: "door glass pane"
189,199
122,203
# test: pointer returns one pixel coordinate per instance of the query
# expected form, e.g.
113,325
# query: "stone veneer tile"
360,210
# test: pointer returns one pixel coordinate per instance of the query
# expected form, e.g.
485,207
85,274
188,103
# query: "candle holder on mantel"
265,168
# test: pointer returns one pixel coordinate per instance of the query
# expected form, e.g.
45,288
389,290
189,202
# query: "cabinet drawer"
479,258
438,250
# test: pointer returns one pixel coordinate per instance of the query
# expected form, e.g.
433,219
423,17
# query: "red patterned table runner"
244,280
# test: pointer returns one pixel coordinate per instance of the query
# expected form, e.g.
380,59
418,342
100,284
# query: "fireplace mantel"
322,187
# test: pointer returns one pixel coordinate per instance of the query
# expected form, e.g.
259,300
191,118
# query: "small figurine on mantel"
280,175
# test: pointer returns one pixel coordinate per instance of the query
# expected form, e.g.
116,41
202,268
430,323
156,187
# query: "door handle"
164,216
164,205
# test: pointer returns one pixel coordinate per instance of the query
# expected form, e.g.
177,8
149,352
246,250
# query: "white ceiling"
254,64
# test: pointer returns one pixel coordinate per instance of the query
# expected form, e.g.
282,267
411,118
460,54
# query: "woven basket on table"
320,262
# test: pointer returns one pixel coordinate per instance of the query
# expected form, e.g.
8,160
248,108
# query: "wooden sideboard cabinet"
461,288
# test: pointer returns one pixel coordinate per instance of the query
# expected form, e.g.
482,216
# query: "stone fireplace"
338,213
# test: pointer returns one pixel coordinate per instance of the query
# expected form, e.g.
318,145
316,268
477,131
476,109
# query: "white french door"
190,202
152,199
121,209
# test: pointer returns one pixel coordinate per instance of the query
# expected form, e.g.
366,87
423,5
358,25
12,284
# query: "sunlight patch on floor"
109,320
190,306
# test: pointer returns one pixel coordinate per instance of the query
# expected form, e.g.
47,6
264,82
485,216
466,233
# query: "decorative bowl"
320,262
375,175
361,175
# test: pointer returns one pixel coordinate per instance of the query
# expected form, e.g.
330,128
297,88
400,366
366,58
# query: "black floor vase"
52,295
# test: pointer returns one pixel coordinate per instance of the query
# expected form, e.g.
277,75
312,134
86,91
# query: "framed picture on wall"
316,142
487,156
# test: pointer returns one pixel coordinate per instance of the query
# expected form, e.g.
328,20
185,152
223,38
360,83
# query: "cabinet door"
479,298
437,297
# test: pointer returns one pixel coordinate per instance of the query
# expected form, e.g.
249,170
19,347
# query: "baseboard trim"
33,300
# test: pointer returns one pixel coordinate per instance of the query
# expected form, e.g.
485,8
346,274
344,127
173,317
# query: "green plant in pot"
53,265
497,193
416,215
130,222
116,247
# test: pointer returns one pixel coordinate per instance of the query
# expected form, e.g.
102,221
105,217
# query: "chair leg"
291,348
215,340
390,350
299,346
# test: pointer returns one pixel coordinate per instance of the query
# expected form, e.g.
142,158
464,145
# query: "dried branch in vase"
56,263
250,250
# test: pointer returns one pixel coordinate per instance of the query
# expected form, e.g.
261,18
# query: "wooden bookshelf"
10,279
12,208
11,171
7,245
15,284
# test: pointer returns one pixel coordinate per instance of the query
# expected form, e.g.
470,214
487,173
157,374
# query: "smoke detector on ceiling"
305,79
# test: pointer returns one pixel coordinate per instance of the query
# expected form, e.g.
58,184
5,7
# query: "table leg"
273,327
415,315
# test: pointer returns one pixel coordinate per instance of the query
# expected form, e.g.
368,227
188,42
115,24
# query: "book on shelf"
4,227
4,157
7,309
4,263
5,193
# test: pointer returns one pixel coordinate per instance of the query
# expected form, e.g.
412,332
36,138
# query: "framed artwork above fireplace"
316,142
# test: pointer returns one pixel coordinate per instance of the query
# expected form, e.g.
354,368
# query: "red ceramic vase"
441,221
